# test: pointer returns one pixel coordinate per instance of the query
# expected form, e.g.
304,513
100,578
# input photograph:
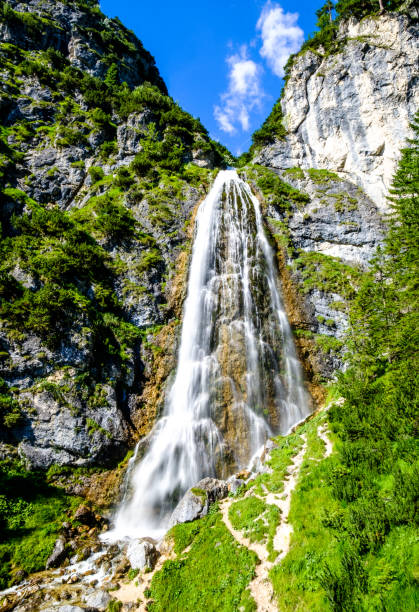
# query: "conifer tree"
402,241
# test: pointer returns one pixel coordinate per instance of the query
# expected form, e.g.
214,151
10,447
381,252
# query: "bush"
96,173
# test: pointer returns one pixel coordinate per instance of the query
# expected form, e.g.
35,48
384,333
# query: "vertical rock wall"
349,112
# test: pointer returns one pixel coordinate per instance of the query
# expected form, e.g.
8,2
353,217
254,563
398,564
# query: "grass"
246,515
213,576
31,515
322,176
281,459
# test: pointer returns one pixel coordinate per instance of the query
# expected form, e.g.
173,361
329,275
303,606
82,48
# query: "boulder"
142,553
58,554
85,516
197,500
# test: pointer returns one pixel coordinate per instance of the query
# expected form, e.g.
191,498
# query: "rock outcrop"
197,501
90,40
349,112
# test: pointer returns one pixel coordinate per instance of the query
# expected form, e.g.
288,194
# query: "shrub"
96,173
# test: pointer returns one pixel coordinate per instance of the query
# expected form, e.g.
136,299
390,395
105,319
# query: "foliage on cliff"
99,172
66,224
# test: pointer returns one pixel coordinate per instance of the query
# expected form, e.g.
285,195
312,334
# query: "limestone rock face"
339,227
98,600
349,112
72,33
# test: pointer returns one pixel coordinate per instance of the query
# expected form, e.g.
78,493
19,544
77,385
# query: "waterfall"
238,378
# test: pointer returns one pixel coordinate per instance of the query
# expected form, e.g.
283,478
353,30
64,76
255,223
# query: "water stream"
238,378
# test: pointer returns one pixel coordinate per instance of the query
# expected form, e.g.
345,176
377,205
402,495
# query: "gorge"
208,364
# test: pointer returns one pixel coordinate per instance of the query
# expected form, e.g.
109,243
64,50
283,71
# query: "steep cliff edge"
349,112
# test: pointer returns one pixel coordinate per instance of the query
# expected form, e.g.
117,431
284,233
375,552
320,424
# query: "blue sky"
221,59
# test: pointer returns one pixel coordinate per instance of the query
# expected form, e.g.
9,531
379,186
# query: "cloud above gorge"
243,95
281,36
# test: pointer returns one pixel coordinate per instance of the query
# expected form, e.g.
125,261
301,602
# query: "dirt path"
322,433
261,587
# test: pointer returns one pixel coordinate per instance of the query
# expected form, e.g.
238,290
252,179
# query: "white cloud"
280,34
243,95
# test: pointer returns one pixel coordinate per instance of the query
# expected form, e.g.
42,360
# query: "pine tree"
402,242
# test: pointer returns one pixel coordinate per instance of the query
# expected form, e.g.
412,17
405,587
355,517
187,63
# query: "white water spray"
238,379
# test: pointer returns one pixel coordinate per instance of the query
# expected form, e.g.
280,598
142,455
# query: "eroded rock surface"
350,111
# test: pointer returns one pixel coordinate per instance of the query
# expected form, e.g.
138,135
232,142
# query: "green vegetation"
257,520
275,190
31,515
294,173
10,413
328,273
213,576
272,129
328,344
243,515
114,606
329,17
322,176
343,202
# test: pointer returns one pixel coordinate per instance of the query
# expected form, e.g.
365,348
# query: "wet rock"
64,608
58,554
122,568
197,500
142,554
85,516
243,475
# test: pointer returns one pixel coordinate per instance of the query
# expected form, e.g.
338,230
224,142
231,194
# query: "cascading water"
238,378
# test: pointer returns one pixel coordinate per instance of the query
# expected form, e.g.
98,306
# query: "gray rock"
197,500
64,608
142,554
234,484
58,554
98,600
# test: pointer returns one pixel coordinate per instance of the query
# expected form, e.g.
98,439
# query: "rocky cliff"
349,111
344,115
100,173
